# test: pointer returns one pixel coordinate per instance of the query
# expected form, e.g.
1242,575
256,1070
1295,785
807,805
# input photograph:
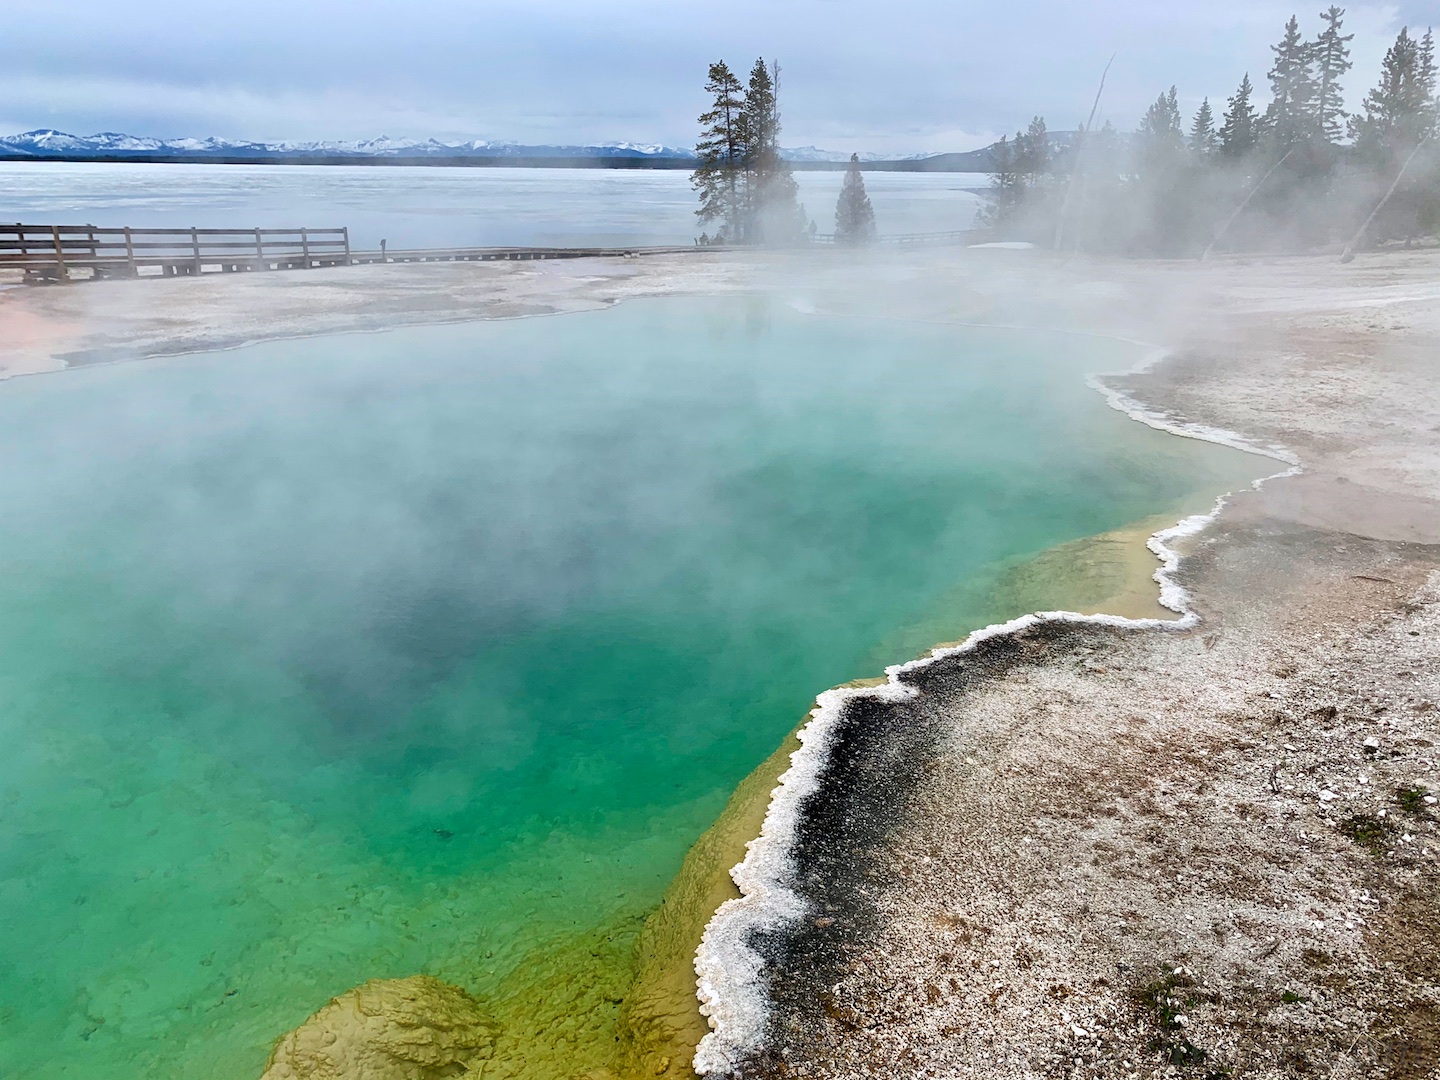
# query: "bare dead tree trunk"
1075,179
1349,253
1220,233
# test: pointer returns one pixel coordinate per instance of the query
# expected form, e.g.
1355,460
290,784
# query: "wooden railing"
59,253
55,252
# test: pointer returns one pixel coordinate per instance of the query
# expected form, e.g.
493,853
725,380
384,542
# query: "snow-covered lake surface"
441,207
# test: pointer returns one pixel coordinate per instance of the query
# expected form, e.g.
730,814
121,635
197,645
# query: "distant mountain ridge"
46,142
49,144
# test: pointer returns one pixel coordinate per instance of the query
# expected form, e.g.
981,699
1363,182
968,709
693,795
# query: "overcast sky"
893,77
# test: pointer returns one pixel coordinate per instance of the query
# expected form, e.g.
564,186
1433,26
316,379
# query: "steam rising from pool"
365,656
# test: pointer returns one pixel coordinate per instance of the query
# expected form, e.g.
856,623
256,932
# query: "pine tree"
854,216
758,114
1006,186
1161,138
1032,152
1157,192
719,150
1290,117
1400,111
1108,153
1103,213
1203,140
1426,78
771,199
1240,132
1332,60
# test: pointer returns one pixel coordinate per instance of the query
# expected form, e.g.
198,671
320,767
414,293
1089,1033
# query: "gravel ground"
1118,853
1083,852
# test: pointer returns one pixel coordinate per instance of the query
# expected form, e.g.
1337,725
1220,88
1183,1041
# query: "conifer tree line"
747,192
1296,172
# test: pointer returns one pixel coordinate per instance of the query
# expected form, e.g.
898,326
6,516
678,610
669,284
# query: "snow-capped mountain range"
48,143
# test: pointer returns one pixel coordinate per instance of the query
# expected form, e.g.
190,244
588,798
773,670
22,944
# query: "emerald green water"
373,655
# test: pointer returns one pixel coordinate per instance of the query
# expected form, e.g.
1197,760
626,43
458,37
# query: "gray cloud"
917,75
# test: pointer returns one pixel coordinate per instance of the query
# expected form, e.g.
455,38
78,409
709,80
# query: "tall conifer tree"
1203,140
1400,111
771,198
1332,61
1158,168
1240,131
1032,152
1161,138
1426,76
1291,115
854,216
720,154
1007,190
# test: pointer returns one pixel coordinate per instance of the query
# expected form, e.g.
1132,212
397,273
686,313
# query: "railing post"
195,248
305,248
130,253
260,251
346,231
20,232
383,258
59,253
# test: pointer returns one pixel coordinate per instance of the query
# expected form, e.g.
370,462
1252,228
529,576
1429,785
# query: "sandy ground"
1080,852
43,328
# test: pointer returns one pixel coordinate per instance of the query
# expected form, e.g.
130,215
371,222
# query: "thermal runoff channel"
367,656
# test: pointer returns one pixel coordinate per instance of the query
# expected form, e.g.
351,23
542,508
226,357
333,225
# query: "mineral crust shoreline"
1107,852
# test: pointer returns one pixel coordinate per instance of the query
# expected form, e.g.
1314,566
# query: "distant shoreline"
671,164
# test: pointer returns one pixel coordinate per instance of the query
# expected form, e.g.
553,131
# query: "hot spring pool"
433,650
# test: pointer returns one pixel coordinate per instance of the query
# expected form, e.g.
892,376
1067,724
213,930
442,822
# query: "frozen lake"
421,206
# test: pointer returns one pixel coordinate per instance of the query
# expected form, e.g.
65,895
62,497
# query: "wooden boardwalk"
63,253
66,253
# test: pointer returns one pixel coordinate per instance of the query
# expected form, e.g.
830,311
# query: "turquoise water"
372,655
